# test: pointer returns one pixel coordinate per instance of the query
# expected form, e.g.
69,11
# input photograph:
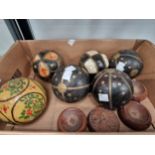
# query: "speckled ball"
46,63
112,88
70,83
127,61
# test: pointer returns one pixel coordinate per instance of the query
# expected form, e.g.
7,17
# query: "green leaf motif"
15,86
34,104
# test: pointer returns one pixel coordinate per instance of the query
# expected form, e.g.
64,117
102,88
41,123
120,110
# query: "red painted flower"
5,109
29,112
44,71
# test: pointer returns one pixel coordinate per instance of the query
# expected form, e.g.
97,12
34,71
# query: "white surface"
6,39
93,29
71,42
103,97
105,60
90,66
120,66
68,73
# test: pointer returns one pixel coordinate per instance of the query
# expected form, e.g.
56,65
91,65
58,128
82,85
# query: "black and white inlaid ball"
45,64
112,88
93,62
127,61
70,83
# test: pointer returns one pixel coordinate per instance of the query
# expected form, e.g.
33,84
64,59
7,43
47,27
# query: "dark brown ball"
45,64
94,61
112,88
72,120
70,83
135,116
140,91
127,61
103,120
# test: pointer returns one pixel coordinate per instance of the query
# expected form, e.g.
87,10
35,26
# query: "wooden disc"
103,120
72,120
135,116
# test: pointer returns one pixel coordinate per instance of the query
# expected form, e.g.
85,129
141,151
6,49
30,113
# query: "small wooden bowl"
135,116
140,91
72,120
103,120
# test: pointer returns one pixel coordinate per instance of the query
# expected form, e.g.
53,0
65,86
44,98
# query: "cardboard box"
18,61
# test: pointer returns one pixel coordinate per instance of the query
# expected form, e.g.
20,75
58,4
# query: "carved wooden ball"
72,120
93,61
70,83
21,101
127,61
135,116
45,64
103,120
112,88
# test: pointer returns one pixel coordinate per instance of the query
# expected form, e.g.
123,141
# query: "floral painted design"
43,70
34,105
4,108
51,56
14,86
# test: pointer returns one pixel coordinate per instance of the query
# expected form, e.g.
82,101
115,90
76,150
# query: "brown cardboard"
19,59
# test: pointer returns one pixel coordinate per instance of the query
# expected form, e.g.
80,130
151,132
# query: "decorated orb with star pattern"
127,61
46,63
70,83
112,88
94,61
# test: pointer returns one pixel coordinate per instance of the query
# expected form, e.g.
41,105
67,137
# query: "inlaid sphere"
94,61
45,64
127,61
112,88
70,83
21,101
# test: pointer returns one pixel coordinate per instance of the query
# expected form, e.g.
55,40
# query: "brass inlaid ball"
93,61
127,61
22,100
135,116
46,63
112,88
70,83
72,120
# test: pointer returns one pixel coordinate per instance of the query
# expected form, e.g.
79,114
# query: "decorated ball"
93,62
22,100
127,61
45,64
112,88
70,83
